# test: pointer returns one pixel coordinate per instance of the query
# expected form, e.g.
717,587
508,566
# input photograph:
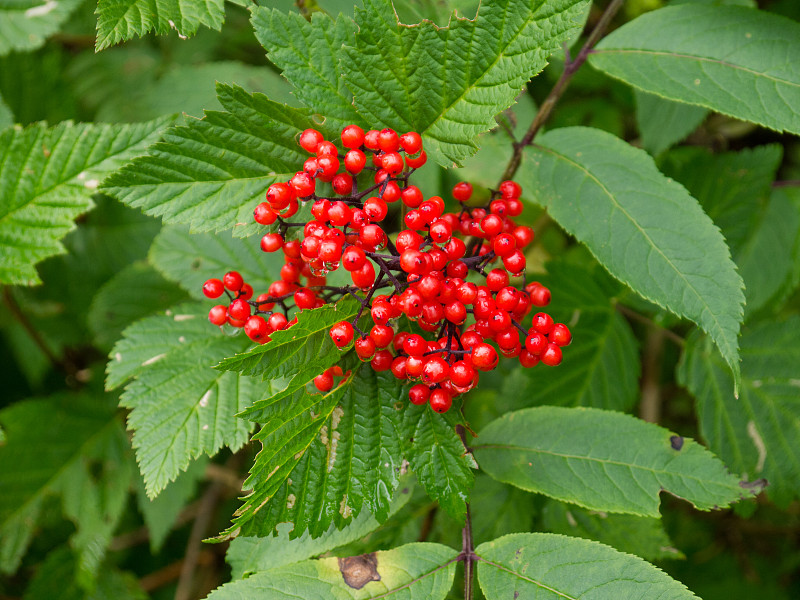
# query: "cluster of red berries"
436,270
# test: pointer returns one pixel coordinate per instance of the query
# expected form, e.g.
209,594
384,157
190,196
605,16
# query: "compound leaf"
645,229
546,566
326,456
121,20
603,460
47,178
180,406
727,58
211,173
438,458
295,44
485,62
420,571
756,433
25,25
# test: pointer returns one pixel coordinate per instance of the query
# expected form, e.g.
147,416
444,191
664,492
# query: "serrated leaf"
601,366
438,458
47,178
663,123
180,406
603,460
248,555
757,432
410,572
300,350
25,25
732,187
326,456
553,567
77,430
729,59
212,173
642,536
645,229
191,259
308,54
485,62
121,20
764,262
115,306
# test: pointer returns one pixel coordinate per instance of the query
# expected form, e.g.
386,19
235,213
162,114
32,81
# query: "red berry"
419,394
382,361
540,296
412,196
324,382
535,343
542,322
496,279
239,309
327,149
352,136
551,356
364,277
528,360
415,345
354,161
416,163
365,348
376,209
213,288
279,195
310,139
233,281
435,370
277,321
510,189
462,374
342,334
388,140
246,292
255,328
484,357
303,184
560,335
441,400
515,262
305,298
342,184
462,191
218,315
382,335
411,142
398,367
264,215
271,242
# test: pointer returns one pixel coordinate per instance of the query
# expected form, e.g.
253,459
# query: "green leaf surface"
81,460
212,173
730,59
756,433
6,116
410,572
767,261
438,458
191,259
663,123
300,350
486,62
47,178
603,460
309,56
180,406
645,229
134,293
248,555
601,367
498,509
24,25
642,536
555,567
121,20
324,457
732,187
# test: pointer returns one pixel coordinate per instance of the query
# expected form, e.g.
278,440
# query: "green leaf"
191,259
546,566
731,186
498,509
601,366
603,460
729,59
160,513
410,572
326,456
248,555
645,229
47,178
81,460
756,433
298,351
438,458
134,293
180,406
121,20
764,262
642,536
663,123
485,62
25,25
308,54
6,116
212,173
